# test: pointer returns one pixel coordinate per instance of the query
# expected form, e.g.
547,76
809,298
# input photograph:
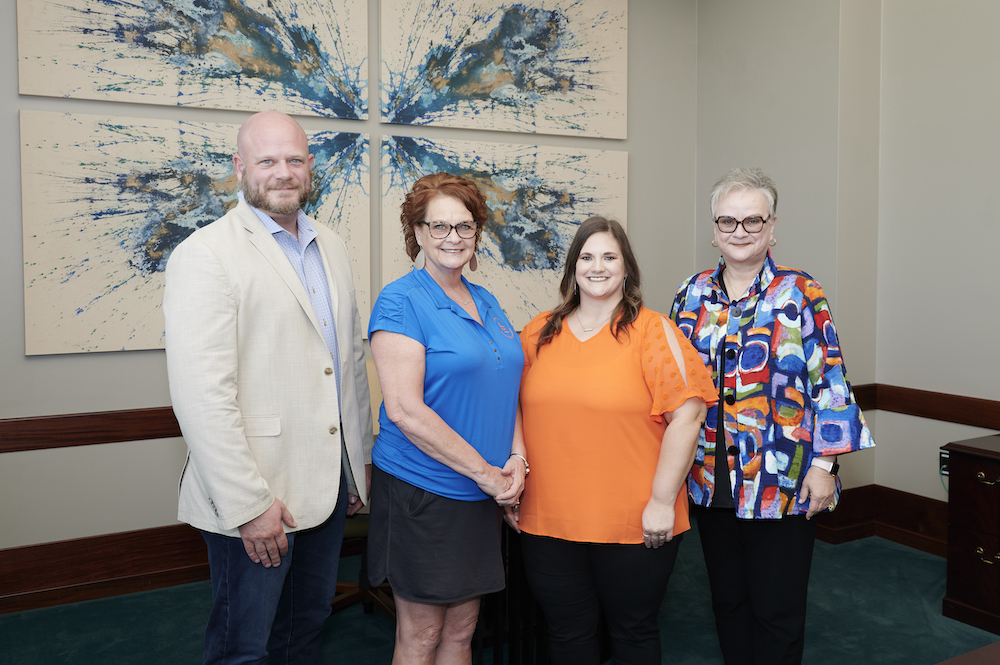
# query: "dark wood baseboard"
69,571
87,568
974,616
872,510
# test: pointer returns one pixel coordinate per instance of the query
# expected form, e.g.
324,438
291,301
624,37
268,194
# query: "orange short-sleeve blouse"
593,423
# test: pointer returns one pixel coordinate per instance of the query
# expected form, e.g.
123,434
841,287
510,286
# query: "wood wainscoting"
872,510
68,571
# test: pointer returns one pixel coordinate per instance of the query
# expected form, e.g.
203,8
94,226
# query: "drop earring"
474,263
418,262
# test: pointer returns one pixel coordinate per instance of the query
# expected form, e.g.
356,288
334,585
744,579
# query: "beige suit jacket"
252,381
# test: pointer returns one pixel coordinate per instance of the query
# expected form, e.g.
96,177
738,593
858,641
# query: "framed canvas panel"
537,197
303,58
106,199
545,66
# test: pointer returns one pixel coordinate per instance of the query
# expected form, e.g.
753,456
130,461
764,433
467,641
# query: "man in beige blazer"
269,384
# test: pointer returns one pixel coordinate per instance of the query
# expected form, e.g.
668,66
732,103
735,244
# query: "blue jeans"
273,615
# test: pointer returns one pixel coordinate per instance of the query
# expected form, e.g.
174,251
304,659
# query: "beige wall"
767,97
796,92
939,236
876,119
76,492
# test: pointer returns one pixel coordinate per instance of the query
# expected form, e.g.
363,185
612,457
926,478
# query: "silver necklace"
585,328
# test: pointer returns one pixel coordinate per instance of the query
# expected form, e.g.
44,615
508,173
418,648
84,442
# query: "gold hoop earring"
715,244
772,243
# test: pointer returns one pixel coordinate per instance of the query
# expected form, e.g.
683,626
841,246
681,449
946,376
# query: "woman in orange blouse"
612,402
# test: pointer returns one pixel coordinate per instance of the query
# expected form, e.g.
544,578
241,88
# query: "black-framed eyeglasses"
750,224
440,230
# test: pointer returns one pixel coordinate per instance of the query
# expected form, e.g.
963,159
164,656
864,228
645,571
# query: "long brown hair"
626,311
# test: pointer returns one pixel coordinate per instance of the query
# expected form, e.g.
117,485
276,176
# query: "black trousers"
577,583
759,574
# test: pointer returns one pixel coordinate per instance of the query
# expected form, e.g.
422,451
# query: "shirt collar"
760,284
441,300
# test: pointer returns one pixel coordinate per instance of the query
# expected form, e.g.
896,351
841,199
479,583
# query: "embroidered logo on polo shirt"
509,334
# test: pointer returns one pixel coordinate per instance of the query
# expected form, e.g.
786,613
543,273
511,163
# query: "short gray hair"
741,179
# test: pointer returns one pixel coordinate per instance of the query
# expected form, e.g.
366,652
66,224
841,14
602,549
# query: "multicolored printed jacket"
786,399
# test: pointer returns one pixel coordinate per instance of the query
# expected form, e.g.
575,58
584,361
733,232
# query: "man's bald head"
273,165
267,122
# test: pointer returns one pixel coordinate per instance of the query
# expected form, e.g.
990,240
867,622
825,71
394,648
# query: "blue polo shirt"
472,379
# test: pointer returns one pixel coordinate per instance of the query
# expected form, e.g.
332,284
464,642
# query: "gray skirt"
432,549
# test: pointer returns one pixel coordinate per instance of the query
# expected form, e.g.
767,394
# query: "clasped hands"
506,484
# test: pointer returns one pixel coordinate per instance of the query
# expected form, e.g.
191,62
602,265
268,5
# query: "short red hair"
440,184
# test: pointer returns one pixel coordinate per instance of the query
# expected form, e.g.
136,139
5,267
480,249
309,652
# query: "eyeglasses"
440,230
750,224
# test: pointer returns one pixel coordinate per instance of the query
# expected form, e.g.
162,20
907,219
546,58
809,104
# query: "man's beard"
257,197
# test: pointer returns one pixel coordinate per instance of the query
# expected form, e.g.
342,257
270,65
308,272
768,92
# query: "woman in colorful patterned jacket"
786,410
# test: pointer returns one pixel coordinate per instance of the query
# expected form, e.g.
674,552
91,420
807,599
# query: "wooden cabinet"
973,593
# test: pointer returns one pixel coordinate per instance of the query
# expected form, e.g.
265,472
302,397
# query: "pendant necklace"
580,321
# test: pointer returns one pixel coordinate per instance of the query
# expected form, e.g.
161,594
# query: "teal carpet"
871,601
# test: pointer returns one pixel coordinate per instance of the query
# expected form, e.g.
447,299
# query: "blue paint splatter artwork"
106,199
546,66
537,197
305,58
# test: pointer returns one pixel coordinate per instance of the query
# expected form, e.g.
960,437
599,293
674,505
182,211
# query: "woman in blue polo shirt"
445,461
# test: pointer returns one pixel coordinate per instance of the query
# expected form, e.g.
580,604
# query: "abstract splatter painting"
106,199
304,58
537,197
545,66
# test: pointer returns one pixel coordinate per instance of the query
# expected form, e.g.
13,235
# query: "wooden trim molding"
939,406
873,510
865,394
84,429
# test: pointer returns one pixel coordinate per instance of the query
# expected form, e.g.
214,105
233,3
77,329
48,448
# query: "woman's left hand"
818,487
657,523
512,514
514,469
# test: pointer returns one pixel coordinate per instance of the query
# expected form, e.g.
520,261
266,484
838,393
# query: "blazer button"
333,430
733,450
328,371
730,399
730,354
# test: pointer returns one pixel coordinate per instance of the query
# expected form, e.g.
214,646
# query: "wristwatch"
830,467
